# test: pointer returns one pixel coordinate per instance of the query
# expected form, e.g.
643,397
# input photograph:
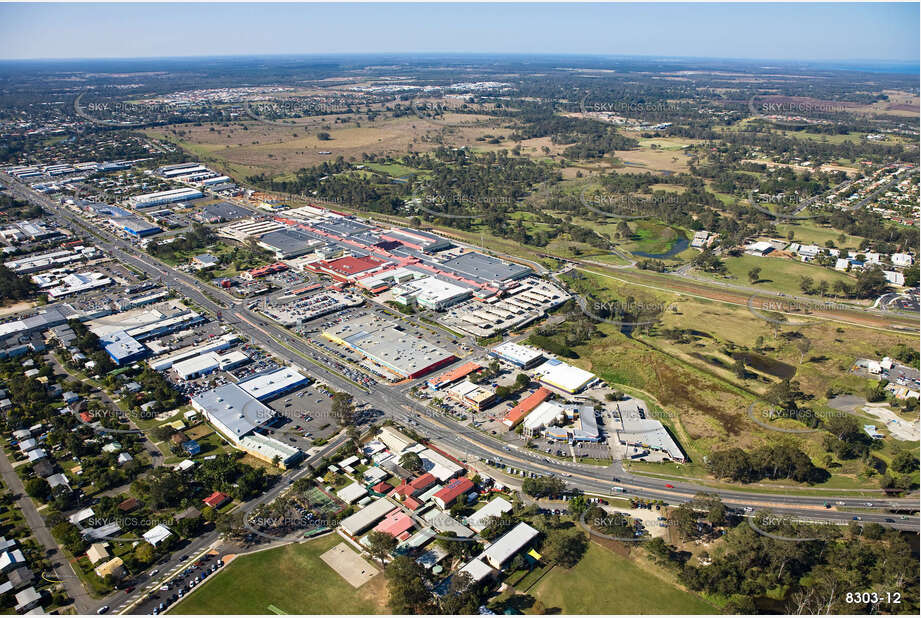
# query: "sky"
799,32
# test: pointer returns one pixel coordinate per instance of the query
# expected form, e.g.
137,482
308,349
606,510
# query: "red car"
669,485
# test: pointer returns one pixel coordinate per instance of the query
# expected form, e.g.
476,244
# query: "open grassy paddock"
293,578
605,582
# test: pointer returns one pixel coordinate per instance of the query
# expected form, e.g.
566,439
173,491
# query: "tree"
463,597
911,276
754,274
343,409
494,527
803,345
380,544
39,489
566,547
412,462
784,394
578,504
323,136
145,553
871,283
806,284
543,486
407,589
904,462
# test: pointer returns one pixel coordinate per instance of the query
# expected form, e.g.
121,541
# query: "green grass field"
292,578
604,582
781,275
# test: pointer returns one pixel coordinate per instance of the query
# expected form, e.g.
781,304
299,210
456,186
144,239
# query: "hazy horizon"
823,32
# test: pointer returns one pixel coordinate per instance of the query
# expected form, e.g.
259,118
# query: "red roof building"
347,268
262,271
524,406
415,486
454,375
86,417
423,482
382,487
411,503
217,500
452,491
395,523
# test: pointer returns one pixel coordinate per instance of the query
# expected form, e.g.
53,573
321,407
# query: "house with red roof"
395,523
217,500
382,488
446,496
415,487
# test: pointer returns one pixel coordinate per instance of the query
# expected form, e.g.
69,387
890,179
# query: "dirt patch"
349,565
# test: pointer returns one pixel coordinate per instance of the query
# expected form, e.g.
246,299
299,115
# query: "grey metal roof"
288,241
235,409
484,267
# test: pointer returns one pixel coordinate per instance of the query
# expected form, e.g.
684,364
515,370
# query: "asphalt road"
446,432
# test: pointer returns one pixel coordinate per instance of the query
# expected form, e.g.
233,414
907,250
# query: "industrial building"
273,384
122,348
509,544
417,239
648,434
397,353
163,363
135,226
472,395
348,268
245,229
497,507
518,355
220,212
484,268
526,405
584,428
431,293
46,261
289,243
271,450
458,373
366,517
546,414
143,324
148,200
77,283
232,411
565,377
204,364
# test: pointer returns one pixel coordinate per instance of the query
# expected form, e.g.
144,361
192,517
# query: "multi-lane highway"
396,403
